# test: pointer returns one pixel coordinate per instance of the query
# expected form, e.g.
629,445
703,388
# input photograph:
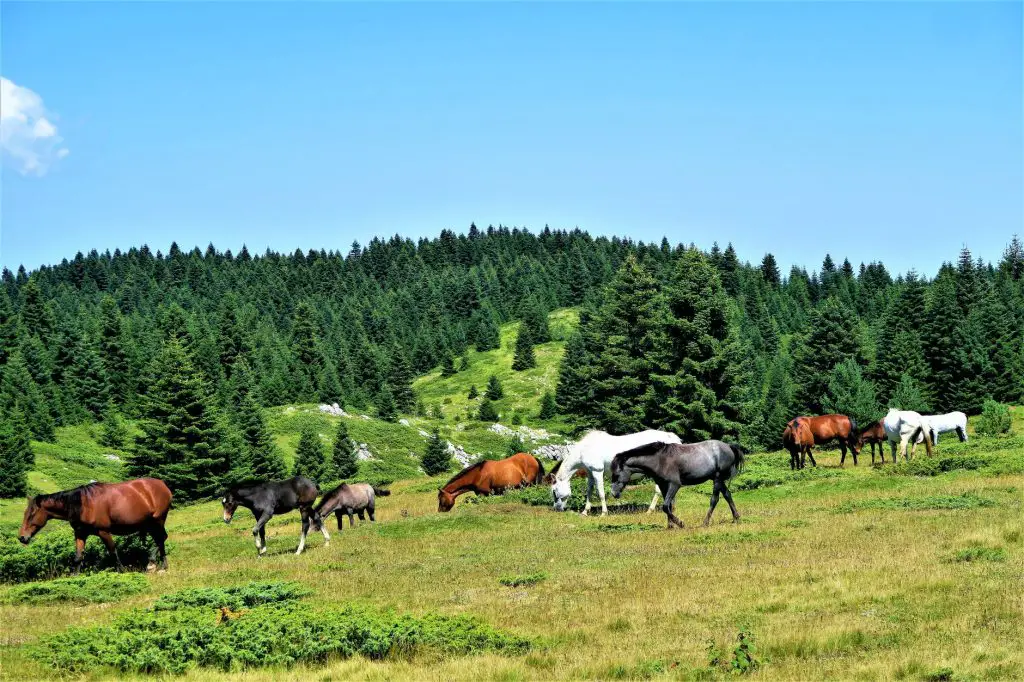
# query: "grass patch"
523,580
52,554
627,527
234,598
98,588
965,500
979,554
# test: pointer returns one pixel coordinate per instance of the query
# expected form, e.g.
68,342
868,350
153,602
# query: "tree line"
192,343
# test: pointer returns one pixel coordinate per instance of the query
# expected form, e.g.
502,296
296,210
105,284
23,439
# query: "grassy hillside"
887,572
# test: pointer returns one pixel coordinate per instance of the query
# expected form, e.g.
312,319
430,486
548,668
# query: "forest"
190,345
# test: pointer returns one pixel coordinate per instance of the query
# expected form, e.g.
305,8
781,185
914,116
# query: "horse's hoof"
150,568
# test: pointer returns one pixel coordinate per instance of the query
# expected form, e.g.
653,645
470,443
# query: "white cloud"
28,137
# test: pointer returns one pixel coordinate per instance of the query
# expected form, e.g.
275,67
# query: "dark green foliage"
535,319
515,446
182,441
849,393
486,331
527,580
98,588
448,366
8,327
234,598
994,419
524,357
113,352
908,395
16,456
386,408
260,460
575,386
770,270
52,554
19,391
343,454
548,407
310,459
494,389
436,459
400,381
832,338
487,412
113,433
473,393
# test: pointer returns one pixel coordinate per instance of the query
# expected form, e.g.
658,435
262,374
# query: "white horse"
941,423
904,426
595,452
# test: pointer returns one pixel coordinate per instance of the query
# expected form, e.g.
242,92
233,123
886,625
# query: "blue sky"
868,130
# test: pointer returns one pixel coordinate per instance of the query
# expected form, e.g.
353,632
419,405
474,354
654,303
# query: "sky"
868,130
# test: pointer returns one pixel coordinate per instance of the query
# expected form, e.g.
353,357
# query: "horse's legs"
714,501
370,508
903,446
338,514
668,502
323,531
108,540
654,500
258,534
80,538
599,482
961,432
842,449
810,454
732,507
157,532
305,529
351,518
362,516
590,488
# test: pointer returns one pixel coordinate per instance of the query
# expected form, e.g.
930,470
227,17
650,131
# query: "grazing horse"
489,477
104,509
673,466
828,427
904,426
275,497
941,423
595,452
873,435
798,439
348,498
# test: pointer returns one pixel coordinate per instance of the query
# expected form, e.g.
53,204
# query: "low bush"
88,589
234,598
994,419
523,580
182,636
52,554
979,553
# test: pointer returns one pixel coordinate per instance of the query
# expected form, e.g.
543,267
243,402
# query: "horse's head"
445,500
620,475
561,491
35,518
230,504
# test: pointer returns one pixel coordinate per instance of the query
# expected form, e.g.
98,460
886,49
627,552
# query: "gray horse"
351,499
673,466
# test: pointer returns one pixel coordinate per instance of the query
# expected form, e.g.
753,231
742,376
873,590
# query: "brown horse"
873,435
104,509
491,477
798,440
828,427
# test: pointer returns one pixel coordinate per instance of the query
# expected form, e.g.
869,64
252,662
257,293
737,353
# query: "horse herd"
141,505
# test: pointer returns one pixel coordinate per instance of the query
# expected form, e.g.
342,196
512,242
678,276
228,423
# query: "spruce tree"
310,459
487,412
343,453
400,379
535,318
328,384
548,408
181,441
18,391
386,408
849,393
487,335
831,338
447,366
16,457
89,380
8,327
909,395
770,271
436,459
230,344
575,388
113,433
261,459
113,352
473,393
524,357
494,390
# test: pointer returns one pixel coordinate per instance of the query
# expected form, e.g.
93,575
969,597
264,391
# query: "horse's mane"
69,500
645,449
465,471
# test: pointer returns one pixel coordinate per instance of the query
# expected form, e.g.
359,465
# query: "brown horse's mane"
465,471
69,501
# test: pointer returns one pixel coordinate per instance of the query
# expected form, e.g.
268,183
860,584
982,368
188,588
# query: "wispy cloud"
28,137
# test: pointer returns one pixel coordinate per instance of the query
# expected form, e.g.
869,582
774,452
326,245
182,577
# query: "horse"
672,466
828,427
798,439
873,435
489,477
941,423
595,452
104,509
275,497
348,498
904,426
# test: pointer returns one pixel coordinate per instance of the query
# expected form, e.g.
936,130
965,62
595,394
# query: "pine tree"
400,380
473,393
575,387
1012,262
832,338
487,335
909,395
88,380
305,342
343,454
16,457
777,404
524,357
113,353
770,270
535,318
329,388
487,412
261,459
494,389
114,434
436,459
386,408
230,343
181,441
310,460
548,408
8,327
515,446
447,366
463,363
849,393
18,391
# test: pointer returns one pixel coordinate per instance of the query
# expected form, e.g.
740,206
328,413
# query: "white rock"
365,417
332,409
424,433
404,422
112,458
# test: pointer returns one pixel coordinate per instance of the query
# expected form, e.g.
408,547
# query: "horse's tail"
539,477
854,434
381,492
738,451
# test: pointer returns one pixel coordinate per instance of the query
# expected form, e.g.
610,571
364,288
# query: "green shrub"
523,580
994,419
88,589
234,598
52,554
979,553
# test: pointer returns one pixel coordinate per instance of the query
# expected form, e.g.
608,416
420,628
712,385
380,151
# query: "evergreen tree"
524,357
849,393
487,334
343,454
548,408
515,446
473,393
113,353
8,327
436,459
1013,259
494,389
88,380
181,441
329,387
909,395
386,408
261,459
305,340
575,388
770,270
400,380
310,460
487,412
535,319
16,457
463,363
447,366
18,392
230,343
114,433
832,338
777,404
